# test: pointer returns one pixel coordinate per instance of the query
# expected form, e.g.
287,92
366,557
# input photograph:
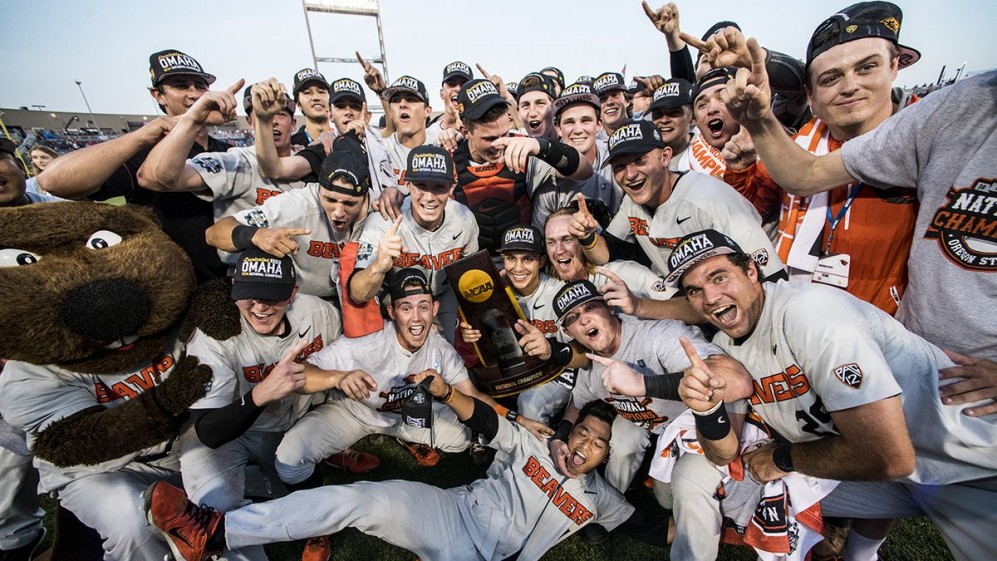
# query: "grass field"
912,540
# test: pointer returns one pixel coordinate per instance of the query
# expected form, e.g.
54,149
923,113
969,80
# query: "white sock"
861,548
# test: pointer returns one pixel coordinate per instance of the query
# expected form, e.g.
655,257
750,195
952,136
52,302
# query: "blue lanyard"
833,221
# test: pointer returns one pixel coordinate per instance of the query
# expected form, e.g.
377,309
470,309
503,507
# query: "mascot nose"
106,310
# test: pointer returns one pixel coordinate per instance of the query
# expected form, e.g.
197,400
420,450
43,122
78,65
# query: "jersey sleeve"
374,227
641,280
671,356
733,215
226,174
453,369
619,226
840,354
33,397
582,392
539,175
336,356
612,507
224,385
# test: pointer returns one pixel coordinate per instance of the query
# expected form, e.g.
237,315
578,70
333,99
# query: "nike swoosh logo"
305,332
538,306
681,220
173,532
455,236
721,421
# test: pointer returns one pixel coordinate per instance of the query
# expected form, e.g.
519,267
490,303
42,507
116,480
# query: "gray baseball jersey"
601,186
697,202
817,349
239,363
33,397
398,156
641,281
380,355
651,347
318,256
456,237
235,182
538,309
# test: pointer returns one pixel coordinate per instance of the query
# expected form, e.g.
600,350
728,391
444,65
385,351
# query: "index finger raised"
293,353
234,88
393,230
360,59
651,14
582,205
483,71
691,352
599,358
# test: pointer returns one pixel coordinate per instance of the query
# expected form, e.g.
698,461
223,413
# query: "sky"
47,45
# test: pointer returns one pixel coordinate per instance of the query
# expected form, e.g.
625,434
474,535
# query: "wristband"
242,236
446,397
560,353
511,415
588,242
563,430
782,457
665,386
713,424
560,156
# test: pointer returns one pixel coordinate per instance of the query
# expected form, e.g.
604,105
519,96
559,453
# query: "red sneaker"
185,526
353,461
424,454
317,549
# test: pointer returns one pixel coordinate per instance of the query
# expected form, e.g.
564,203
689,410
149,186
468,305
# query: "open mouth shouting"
724,316
715,128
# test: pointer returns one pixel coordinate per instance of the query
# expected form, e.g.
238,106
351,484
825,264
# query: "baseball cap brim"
633,149
594,297
424,177
908,56
345,95
249,290
479,110
457,74
315,80
564,101
390,92
673,278
208,78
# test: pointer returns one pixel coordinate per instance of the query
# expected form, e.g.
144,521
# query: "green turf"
911,540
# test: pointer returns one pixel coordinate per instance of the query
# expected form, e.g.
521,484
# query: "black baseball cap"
636,87
858,21
430,164
513,88
675,92
578,92
558,75
634,137
261,276
247,102
607,83
349,164
697,247
536,82
406,84
584,79
307,76
476,97
523,238
717,76
408,282
346,88
573,294
172,62
457,69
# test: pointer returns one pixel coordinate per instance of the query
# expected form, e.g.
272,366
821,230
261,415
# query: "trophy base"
495,382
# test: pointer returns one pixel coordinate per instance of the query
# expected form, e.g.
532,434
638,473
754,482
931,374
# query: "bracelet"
512,415
588,242
782,457
446,398
242,236
713,424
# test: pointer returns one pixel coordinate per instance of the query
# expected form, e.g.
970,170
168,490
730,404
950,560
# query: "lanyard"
833,221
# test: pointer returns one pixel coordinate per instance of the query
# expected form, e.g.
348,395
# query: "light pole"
92,117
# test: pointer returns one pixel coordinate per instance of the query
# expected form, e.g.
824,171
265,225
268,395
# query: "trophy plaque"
487,304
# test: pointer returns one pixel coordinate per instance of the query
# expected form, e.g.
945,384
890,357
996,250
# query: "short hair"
490,116
599,409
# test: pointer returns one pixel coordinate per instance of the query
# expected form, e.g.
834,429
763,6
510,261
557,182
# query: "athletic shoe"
185,526
353,461
317,549
424,454
830,548
593,534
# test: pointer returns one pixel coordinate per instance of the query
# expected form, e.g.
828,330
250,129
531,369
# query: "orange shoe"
185,526
317,549
424,454
353,461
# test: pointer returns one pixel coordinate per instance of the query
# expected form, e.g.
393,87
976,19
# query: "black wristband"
560,156
242,236
511,415
560,353
782,457
713,424
588,242
665,386
563,430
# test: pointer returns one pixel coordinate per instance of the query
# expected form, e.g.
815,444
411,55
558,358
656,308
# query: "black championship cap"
523,238
536,82
307,76
558,75
261,276
634,137
697,247
417,409
247,102
458,70
715,77
349,164
430,164
572,294
172,62
344,88
635,87
578,92
675,92
513,88
858,21
476,98
584,79
408,282
607,83
406,84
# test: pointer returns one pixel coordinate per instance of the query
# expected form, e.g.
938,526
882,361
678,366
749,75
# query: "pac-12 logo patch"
208,163
966,226
849,374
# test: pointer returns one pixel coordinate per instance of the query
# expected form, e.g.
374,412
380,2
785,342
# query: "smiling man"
612,93
671,112
311,94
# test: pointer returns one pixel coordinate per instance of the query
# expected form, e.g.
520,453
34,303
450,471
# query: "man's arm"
268,100
366,283
275,241
82,172
356,384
